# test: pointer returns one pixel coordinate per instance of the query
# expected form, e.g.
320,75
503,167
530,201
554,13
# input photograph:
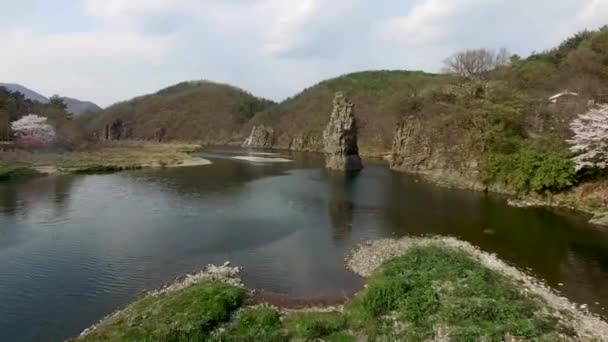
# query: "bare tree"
476,63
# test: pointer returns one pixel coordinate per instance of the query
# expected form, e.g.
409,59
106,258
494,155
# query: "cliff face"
420,148
340,137
260,137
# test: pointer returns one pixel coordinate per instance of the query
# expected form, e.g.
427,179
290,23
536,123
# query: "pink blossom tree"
33,131
590,141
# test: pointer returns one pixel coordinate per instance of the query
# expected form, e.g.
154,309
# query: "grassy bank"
425,292
99,158
10,171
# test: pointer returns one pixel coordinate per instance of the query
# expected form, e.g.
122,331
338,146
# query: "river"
74,248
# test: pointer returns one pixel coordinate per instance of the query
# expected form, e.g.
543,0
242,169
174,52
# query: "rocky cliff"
420,148
260,137
340,137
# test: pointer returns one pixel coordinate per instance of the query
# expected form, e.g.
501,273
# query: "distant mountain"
78,107
74,106
29,94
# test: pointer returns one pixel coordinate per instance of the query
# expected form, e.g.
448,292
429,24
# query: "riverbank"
107,157
438,289
589,198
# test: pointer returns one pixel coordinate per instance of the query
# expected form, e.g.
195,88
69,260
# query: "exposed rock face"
306,142
260,137
340,137
419,149
411,147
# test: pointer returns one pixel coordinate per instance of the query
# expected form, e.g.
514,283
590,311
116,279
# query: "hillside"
494,129
379,97
197,111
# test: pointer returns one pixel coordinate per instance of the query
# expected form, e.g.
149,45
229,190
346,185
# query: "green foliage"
432,285
530,169
250,105
189,314
405,300
312,326
57,101
15,171
261,325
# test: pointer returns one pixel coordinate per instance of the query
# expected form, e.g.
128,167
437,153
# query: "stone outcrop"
306,142
117,130
340,137
411,147
419,149
260,137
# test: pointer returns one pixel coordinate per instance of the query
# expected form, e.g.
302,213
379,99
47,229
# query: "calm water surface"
75,248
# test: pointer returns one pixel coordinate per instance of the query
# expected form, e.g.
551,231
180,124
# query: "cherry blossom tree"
590,141
33,131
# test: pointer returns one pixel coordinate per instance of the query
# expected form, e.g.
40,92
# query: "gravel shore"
371,255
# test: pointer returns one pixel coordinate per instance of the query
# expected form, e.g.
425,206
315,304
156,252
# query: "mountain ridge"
74,106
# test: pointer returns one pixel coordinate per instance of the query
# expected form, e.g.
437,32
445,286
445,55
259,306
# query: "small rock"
560,284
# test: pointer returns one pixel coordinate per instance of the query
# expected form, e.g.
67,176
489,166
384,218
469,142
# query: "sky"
112,50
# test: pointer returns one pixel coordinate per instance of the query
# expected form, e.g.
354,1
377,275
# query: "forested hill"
196,111
217,114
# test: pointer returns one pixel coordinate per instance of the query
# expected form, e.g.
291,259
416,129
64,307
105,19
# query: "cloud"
593,14
274,48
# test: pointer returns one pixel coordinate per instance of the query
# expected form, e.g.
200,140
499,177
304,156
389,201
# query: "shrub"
530,169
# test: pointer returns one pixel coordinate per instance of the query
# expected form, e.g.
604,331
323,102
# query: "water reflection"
340,206
288,225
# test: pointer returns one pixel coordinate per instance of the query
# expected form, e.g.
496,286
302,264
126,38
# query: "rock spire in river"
340,137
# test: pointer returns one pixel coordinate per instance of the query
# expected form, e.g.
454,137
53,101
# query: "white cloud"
272,47
593,15
122,8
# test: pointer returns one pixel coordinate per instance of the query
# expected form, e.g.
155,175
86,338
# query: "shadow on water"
75,248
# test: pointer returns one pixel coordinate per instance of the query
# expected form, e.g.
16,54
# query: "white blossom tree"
33,130
590,141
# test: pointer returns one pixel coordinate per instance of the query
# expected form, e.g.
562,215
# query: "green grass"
430,287
84,168
312,326
259,324
15,171
410,298
189,314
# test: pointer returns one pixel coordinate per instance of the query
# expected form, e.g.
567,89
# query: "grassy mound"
429,293
191,313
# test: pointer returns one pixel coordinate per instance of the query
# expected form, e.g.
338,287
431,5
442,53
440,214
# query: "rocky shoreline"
368,257
364,260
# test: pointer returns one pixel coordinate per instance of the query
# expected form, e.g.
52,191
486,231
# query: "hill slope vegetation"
201,111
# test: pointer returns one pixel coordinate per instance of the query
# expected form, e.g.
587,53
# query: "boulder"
260,137
340,137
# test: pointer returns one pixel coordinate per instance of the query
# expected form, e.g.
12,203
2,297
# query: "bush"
530,169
